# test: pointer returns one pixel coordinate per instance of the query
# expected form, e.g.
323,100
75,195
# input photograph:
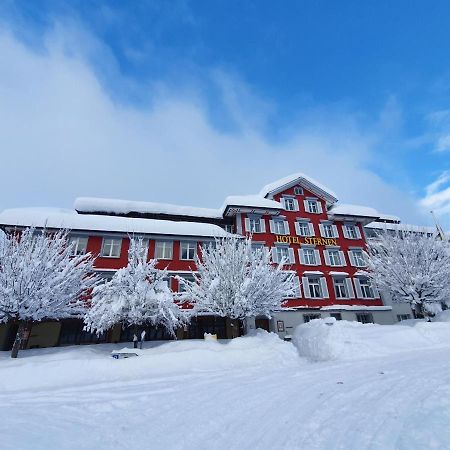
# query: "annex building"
296,217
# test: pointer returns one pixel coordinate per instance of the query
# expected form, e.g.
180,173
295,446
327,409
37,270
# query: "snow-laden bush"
41,278
443,316
233,280
413,268
136,295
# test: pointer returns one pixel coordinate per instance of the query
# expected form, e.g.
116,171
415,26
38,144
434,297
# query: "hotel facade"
296,217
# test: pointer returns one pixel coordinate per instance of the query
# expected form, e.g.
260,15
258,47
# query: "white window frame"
308,225
167,249
329,261
306,260
298,190
253,222
298,291
307,317
361,289
316,209
181,285
322,283
277,254
276,225
340,287
112,244
333,228
290,203
79,245
359,316
351,231
189,245
355,261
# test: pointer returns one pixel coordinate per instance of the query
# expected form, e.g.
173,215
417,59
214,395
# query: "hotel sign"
281,239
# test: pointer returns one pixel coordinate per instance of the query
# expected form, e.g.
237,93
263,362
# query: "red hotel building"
296,217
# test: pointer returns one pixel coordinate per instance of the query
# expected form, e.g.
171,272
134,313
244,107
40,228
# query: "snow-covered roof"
388,218
353,210
299,178
356,308
401,227
116,206
255,201
312,272
64,218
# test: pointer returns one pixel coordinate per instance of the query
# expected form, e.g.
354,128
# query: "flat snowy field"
355,387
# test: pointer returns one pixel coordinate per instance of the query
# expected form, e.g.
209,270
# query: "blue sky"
187,102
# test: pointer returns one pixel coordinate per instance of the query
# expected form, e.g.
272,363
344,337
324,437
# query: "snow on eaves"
353,210
253,201
58,218
290,179
402,227
121,207
356,308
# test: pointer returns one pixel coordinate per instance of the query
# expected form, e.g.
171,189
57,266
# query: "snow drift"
328,339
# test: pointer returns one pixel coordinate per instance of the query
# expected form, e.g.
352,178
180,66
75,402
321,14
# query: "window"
278,227
296,291
315,290
337,316
401,317
304,228
111,248
340,288
257,247
298,190
364,288
364,317
164,250
351,231
309,256
79,245
313,206
255,225
187,250
328,230
334,257
228,228
308,317
357,258
282,252
290,204
144,248
315,286
181,285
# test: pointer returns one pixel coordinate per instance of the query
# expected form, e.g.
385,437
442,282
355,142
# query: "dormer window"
313,206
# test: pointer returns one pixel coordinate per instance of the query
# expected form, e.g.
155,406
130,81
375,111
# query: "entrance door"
262,323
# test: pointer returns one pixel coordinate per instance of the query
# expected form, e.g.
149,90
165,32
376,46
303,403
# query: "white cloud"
437,196
62,135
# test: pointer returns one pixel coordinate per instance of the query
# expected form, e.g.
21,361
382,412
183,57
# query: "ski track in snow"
397,402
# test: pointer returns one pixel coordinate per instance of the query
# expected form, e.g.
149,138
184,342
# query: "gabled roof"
302,179
353,210
251,201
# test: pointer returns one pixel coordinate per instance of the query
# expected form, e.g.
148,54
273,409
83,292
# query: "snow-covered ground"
391,391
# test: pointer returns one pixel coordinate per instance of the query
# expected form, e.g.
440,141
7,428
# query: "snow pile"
328,339
443,316
86,364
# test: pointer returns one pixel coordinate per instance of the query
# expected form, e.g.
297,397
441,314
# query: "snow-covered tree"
40,278
412,267
233,280
136,295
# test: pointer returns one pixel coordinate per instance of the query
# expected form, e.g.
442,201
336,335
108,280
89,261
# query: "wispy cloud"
437,196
